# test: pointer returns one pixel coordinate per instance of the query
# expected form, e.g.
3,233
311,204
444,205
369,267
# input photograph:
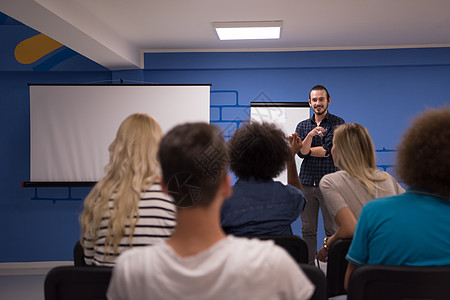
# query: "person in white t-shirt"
199,261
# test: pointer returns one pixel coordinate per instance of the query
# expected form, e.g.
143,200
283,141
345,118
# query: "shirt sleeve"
299,198
302,133
398,187
358,254
303,155
327,140
88,250
114,288
119,287
331,194
292,281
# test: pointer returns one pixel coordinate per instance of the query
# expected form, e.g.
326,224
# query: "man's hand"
317,131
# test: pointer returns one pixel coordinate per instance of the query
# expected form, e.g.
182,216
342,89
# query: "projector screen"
72,126
286,115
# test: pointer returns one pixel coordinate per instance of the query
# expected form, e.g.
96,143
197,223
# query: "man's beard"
322,112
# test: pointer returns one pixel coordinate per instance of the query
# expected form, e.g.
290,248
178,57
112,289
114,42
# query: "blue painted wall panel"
297,59
381,89
33,230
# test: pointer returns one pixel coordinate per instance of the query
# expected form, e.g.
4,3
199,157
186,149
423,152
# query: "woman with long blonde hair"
358,181
127,207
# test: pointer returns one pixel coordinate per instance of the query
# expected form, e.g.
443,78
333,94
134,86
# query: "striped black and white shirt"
156,223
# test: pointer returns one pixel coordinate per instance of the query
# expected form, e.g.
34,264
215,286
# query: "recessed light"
248,30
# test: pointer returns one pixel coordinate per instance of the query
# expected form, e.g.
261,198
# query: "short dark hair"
423,158
194,161
319,88
258,150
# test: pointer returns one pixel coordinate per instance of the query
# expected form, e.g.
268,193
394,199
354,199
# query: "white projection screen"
286,115
72,126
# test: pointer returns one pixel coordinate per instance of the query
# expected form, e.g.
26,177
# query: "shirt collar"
313,120
254,180
425,192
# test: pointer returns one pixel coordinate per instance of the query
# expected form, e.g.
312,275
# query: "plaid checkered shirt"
314,168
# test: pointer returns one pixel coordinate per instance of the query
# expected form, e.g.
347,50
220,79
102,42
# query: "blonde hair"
132,168
356,154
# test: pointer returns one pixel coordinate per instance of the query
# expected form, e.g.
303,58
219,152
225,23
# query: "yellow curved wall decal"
30,50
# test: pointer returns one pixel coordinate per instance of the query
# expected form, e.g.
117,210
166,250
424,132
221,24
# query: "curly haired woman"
259,205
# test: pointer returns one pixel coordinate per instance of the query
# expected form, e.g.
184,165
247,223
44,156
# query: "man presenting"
317,136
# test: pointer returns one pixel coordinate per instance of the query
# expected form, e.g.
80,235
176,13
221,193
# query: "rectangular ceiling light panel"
248,30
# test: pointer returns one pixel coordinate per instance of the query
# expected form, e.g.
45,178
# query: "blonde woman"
127,208
358,181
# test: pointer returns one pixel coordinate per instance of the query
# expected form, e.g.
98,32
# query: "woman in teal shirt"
413,228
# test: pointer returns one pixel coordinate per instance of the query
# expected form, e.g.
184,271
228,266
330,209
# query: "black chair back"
77,283
318,278
78,255
293,244
372,282
336,267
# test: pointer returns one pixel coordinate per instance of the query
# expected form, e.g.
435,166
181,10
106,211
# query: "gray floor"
23,282
22,287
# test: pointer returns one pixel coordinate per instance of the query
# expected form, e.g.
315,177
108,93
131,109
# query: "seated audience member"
127,207
413,228
358,181
199,261
259,205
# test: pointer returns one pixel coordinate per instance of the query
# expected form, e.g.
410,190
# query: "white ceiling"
115,33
